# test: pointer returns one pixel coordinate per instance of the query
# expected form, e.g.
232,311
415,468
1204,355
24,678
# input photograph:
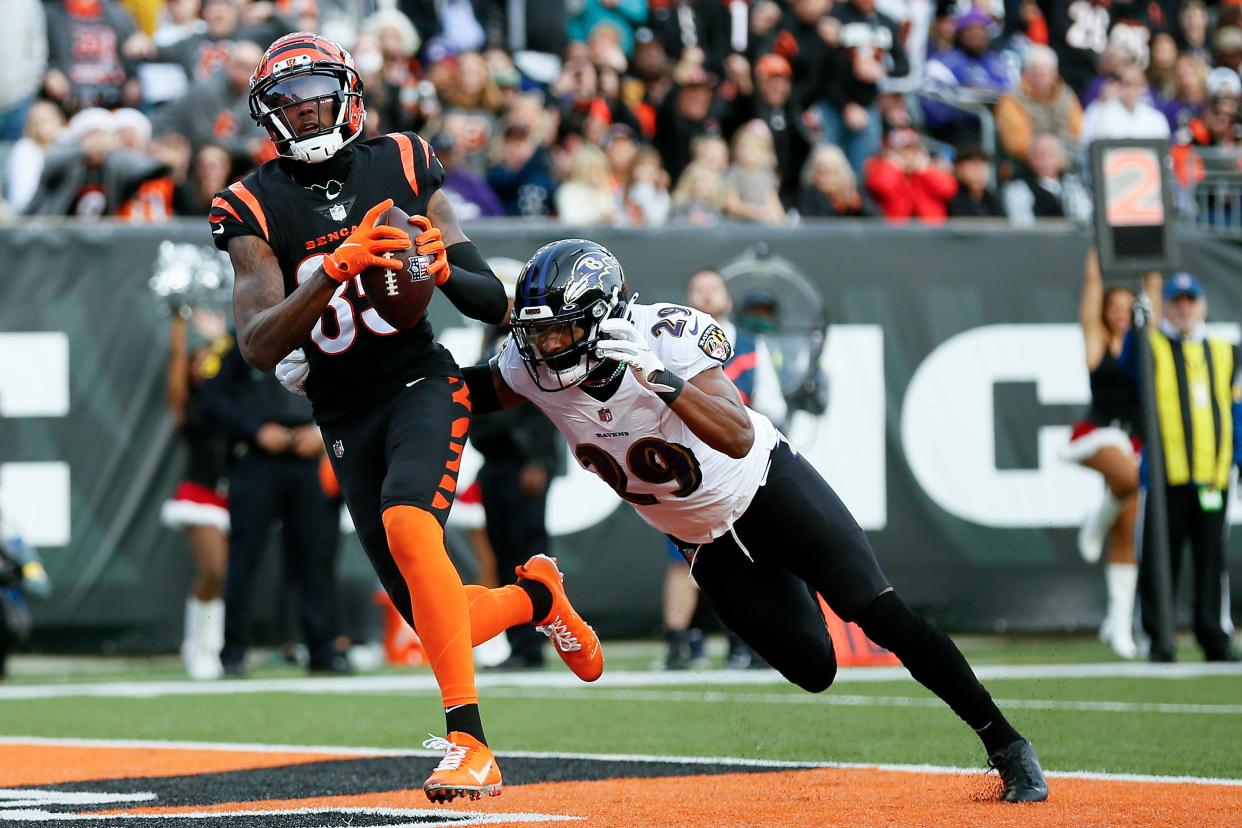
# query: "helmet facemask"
559,351
319,93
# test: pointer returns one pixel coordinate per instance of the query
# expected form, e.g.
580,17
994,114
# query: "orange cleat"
467,769
576,643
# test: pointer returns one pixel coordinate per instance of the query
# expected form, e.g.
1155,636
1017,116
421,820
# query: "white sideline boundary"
342,752
560,679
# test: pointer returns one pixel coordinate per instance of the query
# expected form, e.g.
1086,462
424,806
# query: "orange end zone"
805,798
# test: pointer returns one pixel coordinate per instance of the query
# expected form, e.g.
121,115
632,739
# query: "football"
400,297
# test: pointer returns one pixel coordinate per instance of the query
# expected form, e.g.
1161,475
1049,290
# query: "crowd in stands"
630,112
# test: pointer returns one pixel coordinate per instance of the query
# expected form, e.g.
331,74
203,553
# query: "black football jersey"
356,358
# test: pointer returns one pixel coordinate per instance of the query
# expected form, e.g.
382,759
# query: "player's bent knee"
888,621
814,673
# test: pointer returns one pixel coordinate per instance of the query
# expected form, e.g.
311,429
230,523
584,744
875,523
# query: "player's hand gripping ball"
429,243
400,285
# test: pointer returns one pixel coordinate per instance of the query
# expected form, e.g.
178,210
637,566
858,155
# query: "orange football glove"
429,243
366,245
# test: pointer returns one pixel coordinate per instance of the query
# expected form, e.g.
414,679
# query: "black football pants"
1206,532
403,451
266,491
797,539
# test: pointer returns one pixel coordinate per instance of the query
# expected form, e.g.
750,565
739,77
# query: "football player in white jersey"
639,393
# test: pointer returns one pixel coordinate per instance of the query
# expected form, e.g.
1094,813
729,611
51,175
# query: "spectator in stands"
692,24
648,200
621,149
523,176
21,73
88,176
1162,66
85,65
1190,91
44,123
829,188
210,172
1227,48
164,80
216,110
751,185
698,198
1128,115
1218,126
397,96
205,50
454,25
1041,103
1043,189
808,36
975,198
536,31
869,50
712,151
622,15
472,89
767,98
1193,27
133,130
686,113
972,72
906,183
589,196
469,194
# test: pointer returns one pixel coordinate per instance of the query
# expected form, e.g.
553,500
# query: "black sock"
464,718
936,663
540,598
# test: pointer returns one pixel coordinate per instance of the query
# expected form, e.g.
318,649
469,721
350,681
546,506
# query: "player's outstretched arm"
458,267
269,324
710,405
488,391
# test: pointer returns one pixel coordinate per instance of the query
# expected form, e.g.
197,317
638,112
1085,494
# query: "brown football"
400,297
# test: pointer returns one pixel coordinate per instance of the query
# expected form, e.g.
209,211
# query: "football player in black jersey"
391,404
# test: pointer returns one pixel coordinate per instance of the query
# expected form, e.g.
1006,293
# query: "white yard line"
841,699
599,757
658,678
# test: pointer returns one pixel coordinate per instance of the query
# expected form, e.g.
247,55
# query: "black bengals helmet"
565,291
303,76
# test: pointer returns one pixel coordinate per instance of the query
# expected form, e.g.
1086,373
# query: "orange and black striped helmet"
307,94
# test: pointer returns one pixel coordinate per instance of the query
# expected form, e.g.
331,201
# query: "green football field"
1084,710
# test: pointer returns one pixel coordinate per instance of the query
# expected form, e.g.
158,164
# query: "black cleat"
1020,772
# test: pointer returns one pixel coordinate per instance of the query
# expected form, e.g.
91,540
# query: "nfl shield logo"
605,415
337,212
338,448
418,268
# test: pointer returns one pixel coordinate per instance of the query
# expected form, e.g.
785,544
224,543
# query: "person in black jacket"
275,478
974,199
521,454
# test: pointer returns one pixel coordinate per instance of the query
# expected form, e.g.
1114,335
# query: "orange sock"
492,611
441,613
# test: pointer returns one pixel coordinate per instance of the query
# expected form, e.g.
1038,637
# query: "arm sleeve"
472,287
483,398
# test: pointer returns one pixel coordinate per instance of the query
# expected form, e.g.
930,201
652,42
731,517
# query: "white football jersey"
636,444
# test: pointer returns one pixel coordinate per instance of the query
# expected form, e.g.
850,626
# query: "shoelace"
558,632
454,756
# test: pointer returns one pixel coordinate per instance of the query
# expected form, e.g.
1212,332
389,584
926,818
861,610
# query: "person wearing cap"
1042,102
767,97
1198,413
622,15
521,455
972,71
975,198
906,183
684,114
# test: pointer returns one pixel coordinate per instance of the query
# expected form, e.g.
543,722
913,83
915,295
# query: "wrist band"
667,377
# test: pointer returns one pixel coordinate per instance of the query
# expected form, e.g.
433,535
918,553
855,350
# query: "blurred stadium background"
908,180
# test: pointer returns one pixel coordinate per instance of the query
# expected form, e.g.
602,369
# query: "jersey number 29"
650,460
